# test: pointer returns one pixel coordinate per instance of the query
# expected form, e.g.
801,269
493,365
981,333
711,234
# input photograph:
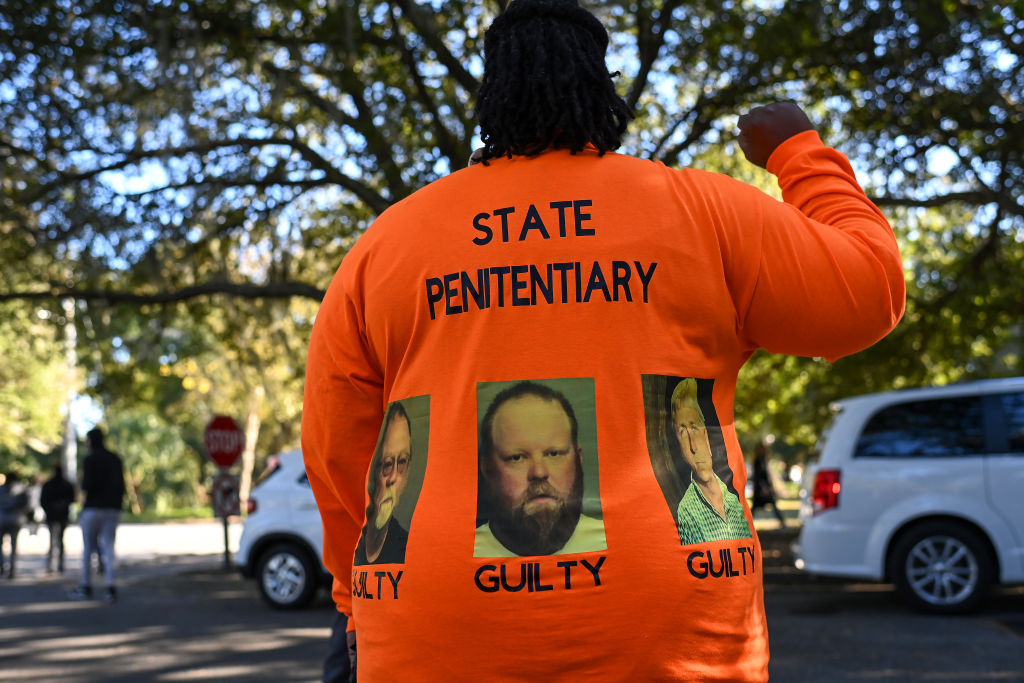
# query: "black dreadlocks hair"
545,82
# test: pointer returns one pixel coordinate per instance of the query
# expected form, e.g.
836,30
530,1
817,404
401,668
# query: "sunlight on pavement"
210,673
55,606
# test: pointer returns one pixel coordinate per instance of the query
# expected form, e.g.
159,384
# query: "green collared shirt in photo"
699,522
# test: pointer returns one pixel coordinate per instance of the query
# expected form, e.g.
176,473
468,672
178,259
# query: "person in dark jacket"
103,486
13,501
764,489
56,498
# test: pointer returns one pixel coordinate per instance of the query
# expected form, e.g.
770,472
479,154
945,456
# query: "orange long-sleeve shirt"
606,278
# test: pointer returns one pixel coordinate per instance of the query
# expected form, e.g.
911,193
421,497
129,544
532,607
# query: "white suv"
924,488
282,538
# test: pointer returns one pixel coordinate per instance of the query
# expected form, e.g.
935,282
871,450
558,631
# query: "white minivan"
923,488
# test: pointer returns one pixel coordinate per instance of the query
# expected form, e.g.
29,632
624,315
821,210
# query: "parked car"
282,537
923,488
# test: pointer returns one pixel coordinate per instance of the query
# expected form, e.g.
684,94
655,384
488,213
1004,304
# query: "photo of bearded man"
531,477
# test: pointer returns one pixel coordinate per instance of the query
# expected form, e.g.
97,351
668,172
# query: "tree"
34,386
157,152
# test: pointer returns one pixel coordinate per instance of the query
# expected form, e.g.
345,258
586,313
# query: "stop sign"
224,440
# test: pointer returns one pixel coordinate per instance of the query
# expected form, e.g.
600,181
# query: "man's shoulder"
690,496
437,192
111,457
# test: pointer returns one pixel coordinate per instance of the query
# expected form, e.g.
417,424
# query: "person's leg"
338,663
778,513
3,536
14,550
89,522
108,535
50,551
60,528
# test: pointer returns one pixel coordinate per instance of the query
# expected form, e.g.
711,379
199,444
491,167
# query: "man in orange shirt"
557,260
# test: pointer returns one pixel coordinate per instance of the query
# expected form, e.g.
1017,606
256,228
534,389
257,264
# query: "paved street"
181,617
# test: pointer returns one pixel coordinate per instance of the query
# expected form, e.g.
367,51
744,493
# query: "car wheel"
942,567
286,576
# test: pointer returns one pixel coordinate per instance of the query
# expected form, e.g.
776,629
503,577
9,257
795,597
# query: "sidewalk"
140,548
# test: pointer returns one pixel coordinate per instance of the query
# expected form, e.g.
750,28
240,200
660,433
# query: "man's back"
56,497
103,480
582,266
13,501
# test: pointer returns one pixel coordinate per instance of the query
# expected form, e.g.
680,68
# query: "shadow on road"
180,618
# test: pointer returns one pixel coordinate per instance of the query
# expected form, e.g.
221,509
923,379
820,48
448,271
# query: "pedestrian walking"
764,487
13,503
103,487
55,498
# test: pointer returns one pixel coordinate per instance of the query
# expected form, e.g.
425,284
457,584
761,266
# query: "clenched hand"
762,129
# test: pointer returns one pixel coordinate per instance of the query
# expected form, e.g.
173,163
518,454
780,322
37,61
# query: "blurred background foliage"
180,179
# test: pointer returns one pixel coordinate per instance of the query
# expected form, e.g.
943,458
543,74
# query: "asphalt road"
832,630
182,617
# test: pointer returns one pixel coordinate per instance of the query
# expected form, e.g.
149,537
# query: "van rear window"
1013,409
931,429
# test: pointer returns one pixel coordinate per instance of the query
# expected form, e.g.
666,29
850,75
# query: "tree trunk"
252,432
133,493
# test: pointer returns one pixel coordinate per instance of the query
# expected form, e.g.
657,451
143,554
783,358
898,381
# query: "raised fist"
762,129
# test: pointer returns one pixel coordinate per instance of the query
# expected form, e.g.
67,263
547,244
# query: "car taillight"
250,506
826,490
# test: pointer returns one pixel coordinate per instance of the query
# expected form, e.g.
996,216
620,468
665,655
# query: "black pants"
56,545
338,664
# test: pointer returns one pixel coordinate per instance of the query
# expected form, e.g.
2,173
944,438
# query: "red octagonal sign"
224,441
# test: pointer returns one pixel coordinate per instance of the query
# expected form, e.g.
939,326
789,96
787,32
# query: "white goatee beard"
383,515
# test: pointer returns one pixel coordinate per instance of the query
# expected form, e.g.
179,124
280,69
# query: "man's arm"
341,419
829,278
87,475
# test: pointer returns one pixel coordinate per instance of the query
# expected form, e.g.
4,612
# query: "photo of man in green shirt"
708,511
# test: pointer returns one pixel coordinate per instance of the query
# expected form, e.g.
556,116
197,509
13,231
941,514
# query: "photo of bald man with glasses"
383,539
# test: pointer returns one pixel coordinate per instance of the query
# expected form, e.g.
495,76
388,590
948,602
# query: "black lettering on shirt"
536,285
534,576
704,564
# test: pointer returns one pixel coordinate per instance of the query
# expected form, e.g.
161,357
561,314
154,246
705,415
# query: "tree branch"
332,176
332,110
378,146
373,199
446,141
135,156
650,38
5,143
418,18
273,290
976,197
